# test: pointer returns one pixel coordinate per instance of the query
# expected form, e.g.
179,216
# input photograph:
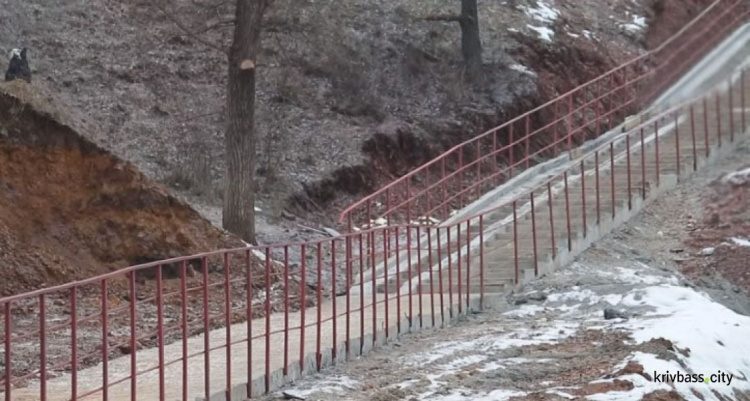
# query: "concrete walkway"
246,367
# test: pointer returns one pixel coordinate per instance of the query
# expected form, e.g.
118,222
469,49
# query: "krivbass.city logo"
679,377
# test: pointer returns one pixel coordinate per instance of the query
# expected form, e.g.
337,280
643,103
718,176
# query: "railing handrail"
345,213
469,245
344,236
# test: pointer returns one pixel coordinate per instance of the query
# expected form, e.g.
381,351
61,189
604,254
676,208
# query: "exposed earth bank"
352,94
70,210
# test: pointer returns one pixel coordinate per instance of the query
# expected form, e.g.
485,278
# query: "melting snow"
718,338
522,69
336,385
738,177
542,12
638,24
741,241
543,32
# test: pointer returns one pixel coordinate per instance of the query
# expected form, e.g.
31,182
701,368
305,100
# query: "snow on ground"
491,358
637,24
718,339
544,33
545,14
738,177
740,241
522,69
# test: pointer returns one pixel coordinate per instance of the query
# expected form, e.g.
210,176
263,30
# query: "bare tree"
238,214
240,139
471,44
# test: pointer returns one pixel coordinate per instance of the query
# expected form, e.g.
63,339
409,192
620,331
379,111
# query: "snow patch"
740,241
718,338
522,69
741,177
638,24
335,385
544,33
524,311
543,12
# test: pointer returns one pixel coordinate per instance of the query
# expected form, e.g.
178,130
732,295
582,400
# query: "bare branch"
444,17
216,25
188,31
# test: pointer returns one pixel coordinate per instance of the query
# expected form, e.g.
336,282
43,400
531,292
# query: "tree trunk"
240,139
471,45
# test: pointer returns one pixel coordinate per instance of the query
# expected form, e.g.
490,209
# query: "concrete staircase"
545,239
508,251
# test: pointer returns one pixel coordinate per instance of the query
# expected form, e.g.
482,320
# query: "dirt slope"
70,209
352,94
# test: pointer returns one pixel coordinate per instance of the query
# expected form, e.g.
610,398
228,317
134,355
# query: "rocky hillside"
352,94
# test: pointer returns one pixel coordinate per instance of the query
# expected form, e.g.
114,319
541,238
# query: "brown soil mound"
71,210
726,217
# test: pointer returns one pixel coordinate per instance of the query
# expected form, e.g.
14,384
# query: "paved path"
59,389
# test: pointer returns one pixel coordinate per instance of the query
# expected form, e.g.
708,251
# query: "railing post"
612,176
511,145
8,365
583,200
677,143
643,166
705,126
227,322
105,342
134,338
533,235
481,264
742,98
398,281
567,211
731,112
570,125
658,154
515,242
551,219
43,344
74,344
268,319
432,286
630,182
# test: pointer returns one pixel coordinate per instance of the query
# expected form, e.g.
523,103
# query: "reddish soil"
560,68
70,210
726,216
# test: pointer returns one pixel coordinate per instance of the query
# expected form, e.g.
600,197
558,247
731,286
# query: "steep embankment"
70,209
351,94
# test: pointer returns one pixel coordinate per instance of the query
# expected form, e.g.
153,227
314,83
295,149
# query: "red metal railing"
251,318
464,173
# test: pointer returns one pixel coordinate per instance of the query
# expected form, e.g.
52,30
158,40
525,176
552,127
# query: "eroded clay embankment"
71,210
